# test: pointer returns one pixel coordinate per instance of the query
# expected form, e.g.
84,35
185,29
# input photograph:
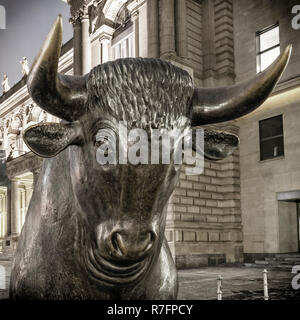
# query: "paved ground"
239,283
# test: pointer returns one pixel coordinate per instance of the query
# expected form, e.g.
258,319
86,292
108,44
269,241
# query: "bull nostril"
121,245
117,243
125,244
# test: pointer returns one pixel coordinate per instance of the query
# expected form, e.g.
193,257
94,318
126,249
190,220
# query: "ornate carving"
5,84
122,17
25,66
79,15
96,15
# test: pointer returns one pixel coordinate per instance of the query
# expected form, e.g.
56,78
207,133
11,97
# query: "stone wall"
194,32
204,215
265,221
253,16
224,45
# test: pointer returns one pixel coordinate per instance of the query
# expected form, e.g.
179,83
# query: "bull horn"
212,105
61,95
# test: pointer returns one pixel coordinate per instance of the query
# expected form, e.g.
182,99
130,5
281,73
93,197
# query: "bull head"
65,96
125,225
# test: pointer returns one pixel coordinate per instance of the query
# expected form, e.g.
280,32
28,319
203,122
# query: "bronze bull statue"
97,231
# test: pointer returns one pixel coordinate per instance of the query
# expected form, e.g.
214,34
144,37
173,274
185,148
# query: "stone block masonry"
204,216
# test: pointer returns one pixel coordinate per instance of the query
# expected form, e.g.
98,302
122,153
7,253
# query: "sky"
27,25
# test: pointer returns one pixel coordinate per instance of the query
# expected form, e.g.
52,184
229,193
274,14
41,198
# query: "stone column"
167,23
5,139
36,173
209,53
8,210
23,119
136,34
105,48
23,208
77,46
28,194
5,215
153,28
85,42
181,30
15,207
82,42
105,36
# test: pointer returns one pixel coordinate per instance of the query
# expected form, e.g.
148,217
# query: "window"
123,48
271,138
268,47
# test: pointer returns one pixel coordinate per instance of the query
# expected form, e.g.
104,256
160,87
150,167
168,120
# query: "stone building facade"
269,187
205,37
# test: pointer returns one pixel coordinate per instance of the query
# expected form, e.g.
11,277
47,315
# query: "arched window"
123,39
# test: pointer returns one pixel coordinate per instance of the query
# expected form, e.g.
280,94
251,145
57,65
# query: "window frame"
261,140
259,53
126,38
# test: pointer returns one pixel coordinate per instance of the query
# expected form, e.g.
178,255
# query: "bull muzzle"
131,246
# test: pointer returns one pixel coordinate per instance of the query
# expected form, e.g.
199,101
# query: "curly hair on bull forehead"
141,91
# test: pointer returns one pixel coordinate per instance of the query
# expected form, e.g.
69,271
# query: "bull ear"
217,144
49,139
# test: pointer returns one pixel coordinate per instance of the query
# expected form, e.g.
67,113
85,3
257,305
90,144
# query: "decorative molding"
22,164
79,15
105,32
112,8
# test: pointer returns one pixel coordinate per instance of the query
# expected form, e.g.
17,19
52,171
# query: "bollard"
265,273
219,290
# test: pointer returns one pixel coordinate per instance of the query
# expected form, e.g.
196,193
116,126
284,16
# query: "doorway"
289,221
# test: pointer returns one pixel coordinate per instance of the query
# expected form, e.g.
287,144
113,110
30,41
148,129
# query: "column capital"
105,32
105,39
79,15
134,15
28,187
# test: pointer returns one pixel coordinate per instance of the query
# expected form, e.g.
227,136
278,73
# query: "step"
283,267
275,262
6,257
262,262
287,255
296,259
252,265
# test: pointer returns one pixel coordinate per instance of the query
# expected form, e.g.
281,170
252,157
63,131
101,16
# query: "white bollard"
266,295
219,290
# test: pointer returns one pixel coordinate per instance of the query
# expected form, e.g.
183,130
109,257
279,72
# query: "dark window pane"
271,148
271,138
270,127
